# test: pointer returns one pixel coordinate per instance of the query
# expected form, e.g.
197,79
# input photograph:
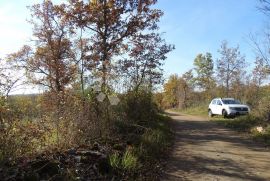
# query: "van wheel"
224,113
210,114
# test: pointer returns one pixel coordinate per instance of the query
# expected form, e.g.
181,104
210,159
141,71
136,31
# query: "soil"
204,150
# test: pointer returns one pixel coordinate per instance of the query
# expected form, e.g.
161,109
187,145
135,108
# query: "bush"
21,137
139,106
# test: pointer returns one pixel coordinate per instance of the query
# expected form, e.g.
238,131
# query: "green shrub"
139,106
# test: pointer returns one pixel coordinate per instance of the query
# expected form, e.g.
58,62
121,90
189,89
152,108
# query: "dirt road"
204,150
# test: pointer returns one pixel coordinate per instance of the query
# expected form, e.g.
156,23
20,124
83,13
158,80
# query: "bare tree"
229,65
260,72
143,66
10,80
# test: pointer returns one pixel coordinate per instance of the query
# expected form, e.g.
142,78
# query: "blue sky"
193,26
199,26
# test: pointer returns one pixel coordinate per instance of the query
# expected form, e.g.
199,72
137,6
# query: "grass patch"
263,136
242,123
196,111
149,145
127,162
248,124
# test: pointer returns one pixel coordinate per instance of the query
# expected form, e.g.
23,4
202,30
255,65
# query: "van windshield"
230,101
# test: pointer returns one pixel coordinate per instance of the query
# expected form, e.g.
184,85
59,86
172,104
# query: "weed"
153,143
115,161
200,110
127,162
243,123
248,124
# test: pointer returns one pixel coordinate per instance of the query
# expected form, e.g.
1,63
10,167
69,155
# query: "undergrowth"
147,145
256,127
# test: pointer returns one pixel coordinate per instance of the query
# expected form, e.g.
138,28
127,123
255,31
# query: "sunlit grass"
196,110
247,124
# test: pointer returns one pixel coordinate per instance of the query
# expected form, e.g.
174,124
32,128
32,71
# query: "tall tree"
204,68
51,62
110,24
229,65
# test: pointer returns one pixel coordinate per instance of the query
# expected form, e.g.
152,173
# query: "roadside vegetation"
255,127
194,110
97,117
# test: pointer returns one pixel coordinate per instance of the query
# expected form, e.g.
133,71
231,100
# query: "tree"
261,44
204,67
189,78
184,92
171,91
229,65
254,85
9,79
265,6
143,66
177,90
110,25
260,72
51,62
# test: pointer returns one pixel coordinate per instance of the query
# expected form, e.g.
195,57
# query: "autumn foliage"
98,63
